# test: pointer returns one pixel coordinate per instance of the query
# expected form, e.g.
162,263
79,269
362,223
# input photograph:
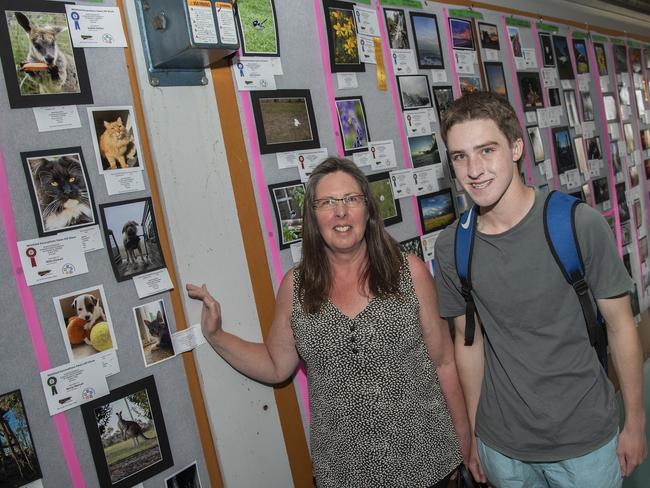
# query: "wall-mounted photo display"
571,107
153,329
562,58
623,210
127,434
131,236
382,191
258,28
628,131
444,96
594,150
412,246
41,68
578,143
620,58
85,322
495,78
462,35
530,89
554,97
187,477
284,120
601,58
424,150
427,41
587,106
601,190
469,84
488,35
396,26
20,466
288,201
61,194
342,37
414,91
580,53
564,157
515,42
352,122
610,107
436,210
115,138
536,143
548,58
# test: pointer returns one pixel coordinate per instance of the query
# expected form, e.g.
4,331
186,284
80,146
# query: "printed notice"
428,242
49,259
418,122
254,74
402,182
366,48
293,159
91,238
57,118
201,21
438,76
425,180
383,154
403,61
188,339
367,22
123,181
347,81
362,158
226,23
152,283
95,26
464,62
306,161
296,251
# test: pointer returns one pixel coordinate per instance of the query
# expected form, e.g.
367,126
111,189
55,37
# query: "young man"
540,404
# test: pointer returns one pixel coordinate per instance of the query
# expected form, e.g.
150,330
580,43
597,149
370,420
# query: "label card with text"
52,258
149,284
57,118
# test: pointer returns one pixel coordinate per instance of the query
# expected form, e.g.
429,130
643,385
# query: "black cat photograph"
61,194
131,237
153,329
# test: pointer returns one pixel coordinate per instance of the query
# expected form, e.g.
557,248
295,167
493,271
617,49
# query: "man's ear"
517,147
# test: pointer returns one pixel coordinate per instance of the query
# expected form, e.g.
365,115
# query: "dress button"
352,327
355,350
353,339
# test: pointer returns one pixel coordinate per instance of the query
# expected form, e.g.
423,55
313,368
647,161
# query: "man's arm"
627,356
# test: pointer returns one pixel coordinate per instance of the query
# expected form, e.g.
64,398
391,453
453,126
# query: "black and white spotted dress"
379,418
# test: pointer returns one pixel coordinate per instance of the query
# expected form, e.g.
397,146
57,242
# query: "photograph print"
444,96
115,138
436,210
427,41
424,150
580,53
554,97
587,106
593,148
531,90
127,434
635,59
515,42
412,246
20,464
488,35
414,91
284,120
342,37
153,329
563,58
288,200
564,156
258,28
462,36
352,122
623,210
41,68
620,58
601,58
61,194
131,237
546,45
601,190
382,191
187,477
496,80
396,26
536,143
571,107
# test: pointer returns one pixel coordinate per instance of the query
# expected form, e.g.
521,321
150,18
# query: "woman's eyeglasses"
330,203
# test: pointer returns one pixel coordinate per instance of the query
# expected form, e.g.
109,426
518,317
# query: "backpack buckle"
580,286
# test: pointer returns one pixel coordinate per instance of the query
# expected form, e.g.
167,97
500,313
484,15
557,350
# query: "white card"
425,180
91,26
149,284
438,76
491,54
56,118
520,64
531,117
566,85
73,384
439,171
594,168
91,237
464,62
604,83
418,122
366,20
572,177
366,48
382,154
52,258
306,158
188,339
36,484
530,58
428,242
347,81
584,82
549,77
588,129
548,169
274,62
402,182
124,181
362,158
296,251
257,74
403,61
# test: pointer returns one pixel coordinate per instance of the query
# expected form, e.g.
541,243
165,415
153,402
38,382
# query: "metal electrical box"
182,37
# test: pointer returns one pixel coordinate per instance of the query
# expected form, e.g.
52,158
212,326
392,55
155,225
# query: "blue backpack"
559,229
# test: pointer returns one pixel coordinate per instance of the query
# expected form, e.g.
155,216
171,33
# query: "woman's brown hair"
383,262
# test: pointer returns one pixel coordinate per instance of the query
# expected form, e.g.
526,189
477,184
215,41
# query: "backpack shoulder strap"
463,246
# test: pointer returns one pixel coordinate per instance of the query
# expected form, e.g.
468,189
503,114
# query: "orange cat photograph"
115,138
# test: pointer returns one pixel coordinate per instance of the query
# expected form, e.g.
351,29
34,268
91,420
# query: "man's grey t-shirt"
544,395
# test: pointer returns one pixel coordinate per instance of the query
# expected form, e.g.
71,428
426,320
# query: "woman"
379,358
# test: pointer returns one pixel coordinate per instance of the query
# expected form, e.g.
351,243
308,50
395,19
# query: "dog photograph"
131,237
115,138
127,434
40,65
85,322
187,477
61,195
153,330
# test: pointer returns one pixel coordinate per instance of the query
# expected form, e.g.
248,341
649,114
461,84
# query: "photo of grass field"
436,210
285,120
257,27
382,191
424,150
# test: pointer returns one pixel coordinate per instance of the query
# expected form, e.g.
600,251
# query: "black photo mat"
258,34
396,26
382,191
436,210
427,40
414,91
288,199
341,61
353,124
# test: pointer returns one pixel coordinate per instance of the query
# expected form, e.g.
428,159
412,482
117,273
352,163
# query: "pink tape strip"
33,324
520,108
452,59
397,107
643,174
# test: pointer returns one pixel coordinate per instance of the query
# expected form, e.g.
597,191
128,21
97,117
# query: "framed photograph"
515,42
342,37
131,236
536,143
284,120
643,249
640,105
489,36
469,84
638,216
610,107
382,191
288,200
531,90
564,157
495,78
187,477
444,96
115,138
352,122
646,165
620,58
634,175
586,193
616,157
436,210
554,97
20,464
396,26
594,150
414,91
258,28
645,139
601,190
85,322
628,131
127,434
424,150
624,95
427,40
153,329
571,107
41,68
601,58
580,52
623,210
578,143
563,58
462,36
61,194
545,42
587,106
412,246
